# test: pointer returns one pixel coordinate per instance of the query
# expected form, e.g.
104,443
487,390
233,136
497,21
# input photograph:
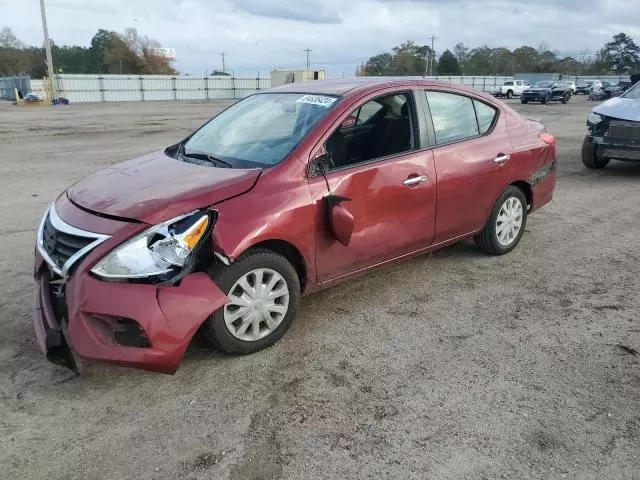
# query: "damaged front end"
614,138
136,302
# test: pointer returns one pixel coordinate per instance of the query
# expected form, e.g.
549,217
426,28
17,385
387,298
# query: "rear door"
472,153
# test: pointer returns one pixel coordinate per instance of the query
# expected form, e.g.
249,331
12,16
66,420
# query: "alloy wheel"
258,303
509,221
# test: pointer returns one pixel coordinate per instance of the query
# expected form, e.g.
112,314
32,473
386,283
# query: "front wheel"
590,157
547,99
566,98
264,293
509,94
506,224
522,100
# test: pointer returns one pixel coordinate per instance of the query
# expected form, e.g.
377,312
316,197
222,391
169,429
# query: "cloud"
263,34
311,11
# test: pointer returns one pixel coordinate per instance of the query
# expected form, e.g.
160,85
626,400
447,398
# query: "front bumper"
617,143
534,97
85,316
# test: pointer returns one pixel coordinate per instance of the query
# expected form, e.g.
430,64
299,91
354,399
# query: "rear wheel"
522,100
509,94
590,157
506,224
264,292
547,99
566,98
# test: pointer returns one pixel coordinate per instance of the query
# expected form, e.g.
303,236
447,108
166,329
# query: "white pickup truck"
513,88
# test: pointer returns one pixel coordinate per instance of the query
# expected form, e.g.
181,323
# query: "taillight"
549,140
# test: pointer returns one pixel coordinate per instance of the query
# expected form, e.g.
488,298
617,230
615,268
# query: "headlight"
160,250
594,119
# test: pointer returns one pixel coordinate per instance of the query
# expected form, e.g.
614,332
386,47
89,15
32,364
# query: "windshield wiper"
206,157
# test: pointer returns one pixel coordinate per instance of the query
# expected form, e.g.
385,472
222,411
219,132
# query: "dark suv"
546,92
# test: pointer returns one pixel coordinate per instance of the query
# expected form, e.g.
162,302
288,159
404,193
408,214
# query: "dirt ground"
454,365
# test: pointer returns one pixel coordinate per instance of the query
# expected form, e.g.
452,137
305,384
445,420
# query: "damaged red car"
285,192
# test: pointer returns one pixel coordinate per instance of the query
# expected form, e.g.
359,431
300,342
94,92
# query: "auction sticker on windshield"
321,100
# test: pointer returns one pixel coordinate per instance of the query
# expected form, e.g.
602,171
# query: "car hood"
536,90
620,107
156,187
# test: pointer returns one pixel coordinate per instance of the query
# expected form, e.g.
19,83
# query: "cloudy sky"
258,35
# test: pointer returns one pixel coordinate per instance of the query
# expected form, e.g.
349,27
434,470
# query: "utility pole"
47,47
223,66
308,62
432,56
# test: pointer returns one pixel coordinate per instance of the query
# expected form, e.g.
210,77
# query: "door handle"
415,180
502,158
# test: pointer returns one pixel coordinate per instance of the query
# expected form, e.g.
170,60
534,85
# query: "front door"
377,164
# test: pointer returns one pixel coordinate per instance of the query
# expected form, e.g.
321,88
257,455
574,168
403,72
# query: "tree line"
109,52
619,56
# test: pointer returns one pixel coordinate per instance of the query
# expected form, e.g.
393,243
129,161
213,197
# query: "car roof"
348,86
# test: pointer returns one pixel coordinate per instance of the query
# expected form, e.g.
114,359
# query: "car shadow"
617,168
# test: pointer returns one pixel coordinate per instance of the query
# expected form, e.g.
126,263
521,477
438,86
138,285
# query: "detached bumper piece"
139,325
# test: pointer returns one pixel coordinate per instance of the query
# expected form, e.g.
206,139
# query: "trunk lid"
156,187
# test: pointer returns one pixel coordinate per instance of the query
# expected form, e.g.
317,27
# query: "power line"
47,46
308,61
432,55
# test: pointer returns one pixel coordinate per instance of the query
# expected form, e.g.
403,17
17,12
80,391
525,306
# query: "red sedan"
284,193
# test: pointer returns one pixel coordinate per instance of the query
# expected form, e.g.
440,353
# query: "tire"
522,100
226,277
547,100
589,156
509,94
565,99
488,239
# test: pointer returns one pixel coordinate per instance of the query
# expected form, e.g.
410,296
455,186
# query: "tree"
9,40
448,64
622,54
462,55
378,65
406,59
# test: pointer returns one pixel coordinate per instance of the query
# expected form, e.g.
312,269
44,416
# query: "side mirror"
320,165
340,219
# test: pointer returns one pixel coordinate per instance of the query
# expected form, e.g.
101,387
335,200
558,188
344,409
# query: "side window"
385,127
367,111
454,117
486,115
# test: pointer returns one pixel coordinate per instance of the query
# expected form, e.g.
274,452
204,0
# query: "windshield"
261,130
543,84
633,92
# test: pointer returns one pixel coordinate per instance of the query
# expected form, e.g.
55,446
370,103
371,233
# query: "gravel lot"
454,365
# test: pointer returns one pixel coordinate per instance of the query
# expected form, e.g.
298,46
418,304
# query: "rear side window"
486,115
508,84
454,117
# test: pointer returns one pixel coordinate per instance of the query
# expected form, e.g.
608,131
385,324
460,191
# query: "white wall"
126,88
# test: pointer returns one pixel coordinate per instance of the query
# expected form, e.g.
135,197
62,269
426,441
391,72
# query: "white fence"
479,83
126,88
489,83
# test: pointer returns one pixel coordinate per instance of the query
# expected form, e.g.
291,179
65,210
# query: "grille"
61,246
58,242
624,130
